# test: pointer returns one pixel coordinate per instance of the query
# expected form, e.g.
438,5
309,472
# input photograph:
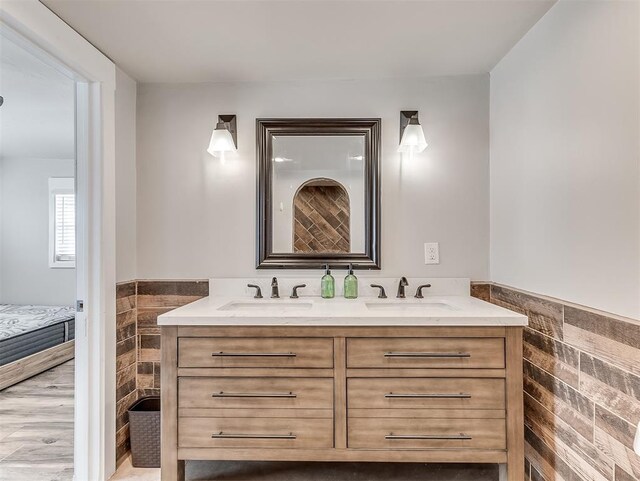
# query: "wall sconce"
411,135
224,137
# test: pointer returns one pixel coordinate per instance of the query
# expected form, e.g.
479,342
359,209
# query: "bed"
33,339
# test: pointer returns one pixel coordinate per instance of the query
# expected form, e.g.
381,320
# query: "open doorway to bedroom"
37,266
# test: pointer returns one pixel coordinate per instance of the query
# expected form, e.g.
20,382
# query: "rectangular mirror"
318,193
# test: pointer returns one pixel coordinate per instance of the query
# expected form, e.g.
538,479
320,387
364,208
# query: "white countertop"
456,310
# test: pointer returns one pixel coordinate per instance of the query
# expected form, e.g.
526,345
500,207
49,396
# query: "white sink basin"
409,306
265,306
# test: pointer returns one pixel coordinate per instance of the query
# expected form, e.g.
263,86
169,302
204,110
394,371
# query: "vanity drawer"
255,352
405,433
428,352
426,393
255,433
271,393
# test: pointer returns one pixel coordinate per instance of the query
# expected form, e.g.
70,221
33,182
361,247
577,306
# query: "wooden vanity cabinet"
379,394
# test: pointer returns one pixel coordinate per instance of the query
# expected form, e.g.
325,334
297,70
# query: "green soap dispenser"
350,285
327,284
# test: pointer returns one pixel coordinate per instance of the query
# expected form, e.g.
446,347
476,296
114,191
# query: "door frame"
39,30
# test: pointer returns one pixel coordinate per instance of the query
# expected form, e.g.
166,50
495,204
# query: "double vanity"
436,379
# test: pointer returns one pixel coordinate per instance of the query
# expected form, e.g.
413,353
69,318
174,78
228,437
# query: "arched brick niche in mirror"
321,217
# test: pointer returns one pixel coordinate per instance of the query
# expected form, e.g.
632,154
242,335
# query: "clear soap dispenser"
327,284
350,285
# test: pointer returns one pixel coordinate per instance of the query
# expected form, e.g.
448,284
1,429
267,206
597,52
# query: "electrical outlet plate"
636,442
431,253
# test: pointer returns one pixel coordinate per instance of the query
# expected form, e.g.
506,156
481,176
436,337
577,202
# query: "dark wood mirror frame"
265,130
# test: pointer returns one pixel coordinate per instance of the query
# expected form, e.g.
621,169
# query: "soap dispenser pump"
327,284
350,285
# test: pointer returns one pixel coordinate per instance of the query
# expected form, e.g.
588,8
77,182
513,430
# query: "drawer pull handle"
223,435
254,394
253,354
428,354
430,396
429,437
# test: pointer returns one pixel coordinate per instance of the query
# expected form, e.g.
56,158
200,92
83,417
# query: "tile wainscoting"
581,388
138,305
126,360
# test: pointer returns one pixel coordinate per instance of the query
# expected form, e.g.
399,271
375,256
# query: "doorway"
30,25
38,290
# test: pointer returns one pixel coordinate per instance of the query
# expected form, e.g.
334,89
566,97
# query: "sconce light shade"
411,135
223,137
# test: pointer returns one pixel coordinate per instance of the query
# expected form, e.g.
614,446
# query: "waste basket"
144,431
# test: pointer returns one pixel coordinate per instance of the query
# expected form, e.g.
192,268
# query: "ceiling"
256,40
37,118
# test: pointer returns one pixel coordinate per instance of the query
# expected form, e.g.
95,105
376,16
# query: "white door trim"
47,36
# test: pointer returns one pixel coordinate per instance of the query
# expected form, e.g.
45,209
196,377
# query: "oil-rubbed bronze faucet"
419,291
294,292
258,291
403,283
275,293
381,294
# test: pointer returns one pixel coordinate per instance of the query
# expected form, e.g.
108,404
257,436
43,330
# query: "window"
62,223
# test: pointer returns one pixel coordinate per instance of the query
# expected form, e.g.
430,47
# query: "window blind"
65,228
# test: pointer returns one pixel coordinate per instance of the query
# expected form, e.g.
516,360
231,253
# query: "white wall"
565,169
125,134
26,275
196,217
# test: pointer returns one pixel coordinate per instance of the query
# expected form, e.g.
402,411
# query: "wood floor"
36,427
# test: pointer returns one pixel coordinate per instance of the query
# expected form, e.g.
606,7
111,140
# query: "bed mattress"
25,330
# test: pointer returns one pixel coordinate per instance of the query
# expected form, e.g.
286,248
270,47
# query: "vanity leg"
172,469
340,392
514,469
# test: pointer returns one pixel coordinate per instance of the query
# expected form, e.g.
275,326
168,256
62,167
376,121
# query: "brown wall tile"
125,381
535,475
608,327
553,356
125,296
148,319
528,303
609,338
559,398
611,387
622,475
123,445
481,291
125,325
544,315
614,437
125,353
148,392
195,288
122,406
579,453
170,293
546,461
